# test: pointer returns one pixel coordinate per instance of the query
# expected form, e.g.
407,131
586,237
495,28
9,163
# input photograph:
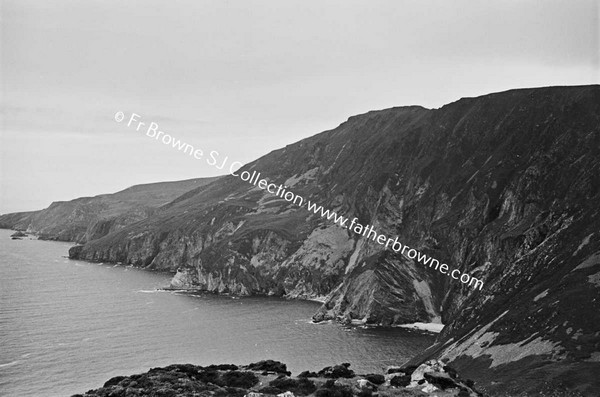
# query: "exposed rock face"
504,187
87,218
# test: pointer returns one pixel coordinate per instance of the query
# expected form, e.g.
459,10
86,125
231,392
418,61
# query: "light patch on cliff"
424,292
430,327
353,261
541,295
595,357
268,199
594,279
585,242
307,176
229,228
478,345
453,350
322,246
503,354
592,260
510,207
181,279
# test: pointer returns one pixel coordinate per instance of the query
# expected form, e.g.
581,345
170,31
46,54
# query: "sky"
247,77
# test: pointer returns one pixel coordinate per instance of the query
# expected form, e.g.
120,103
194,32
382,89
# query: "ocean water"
68,326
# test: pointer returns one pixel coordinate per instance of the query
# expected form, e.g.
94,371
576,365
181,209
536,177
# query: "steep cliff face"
233,237
503,187
88,218
528,223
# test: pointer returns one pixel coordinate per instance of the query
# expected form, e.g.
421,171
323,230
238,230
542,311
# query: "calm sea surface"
68,326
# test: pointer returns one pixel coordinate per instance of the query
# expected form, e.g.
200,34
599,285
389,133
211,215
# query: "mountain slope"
503,187
87,218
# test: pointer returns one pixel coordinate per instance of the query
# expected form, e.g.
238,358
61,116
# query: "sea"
68,326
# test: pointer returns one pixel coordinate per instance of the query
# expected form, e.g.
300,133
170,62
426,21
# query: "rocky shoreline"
271,378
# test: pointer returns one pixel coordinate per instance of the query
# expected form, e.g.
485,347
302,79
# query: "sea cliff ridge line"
505,186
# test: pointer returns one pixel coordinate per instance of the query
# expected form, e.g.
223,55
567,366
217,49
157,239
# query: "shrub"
301,386
208,376
230,392
442,382
187,369
168,377
337,371
269,390
365,393
284,383
463,393
164,392
223,367
451,371
376,379
113,381
270,366
333,390
238,379
308,374
400,381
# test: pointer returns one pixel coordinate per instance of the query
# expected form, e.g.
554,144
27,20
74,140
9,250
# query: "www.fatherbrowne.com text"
151,130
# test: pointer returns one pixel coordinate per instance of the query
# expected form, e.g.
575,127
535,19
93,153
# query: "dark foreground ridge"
271,378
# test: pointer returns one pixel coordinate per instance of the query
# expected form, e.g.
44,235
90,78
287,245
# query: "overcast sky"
246,77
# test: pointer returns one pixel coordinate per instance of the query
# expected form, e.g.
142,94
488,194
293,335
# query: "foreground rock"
271,378
18,235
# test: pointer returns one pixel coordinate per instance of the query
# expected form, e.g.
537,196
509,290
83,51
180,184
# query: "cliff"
503,187
88,218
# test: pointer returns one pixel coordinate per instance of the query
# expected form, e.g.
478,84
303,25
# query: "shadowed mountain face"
504,187
88,218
